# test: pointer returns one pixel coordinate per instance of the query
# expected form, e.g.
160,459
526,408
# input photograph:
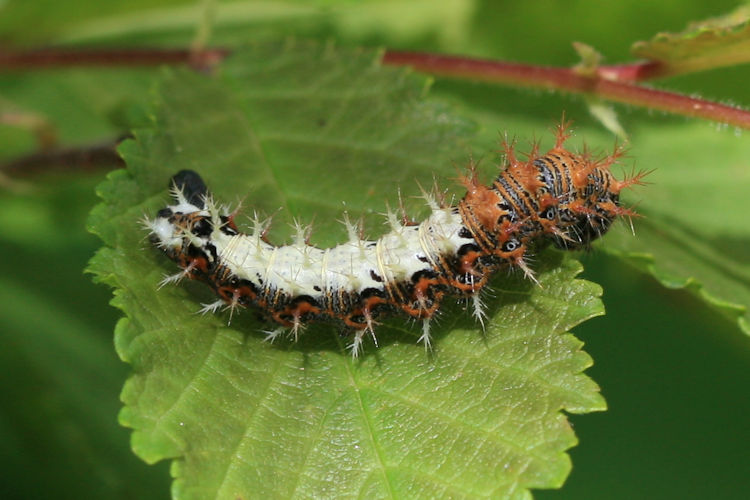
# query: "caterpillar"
560,198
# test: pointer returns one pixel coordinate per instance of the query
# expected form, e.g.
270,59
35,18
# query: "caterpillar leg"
426,338
356,346
272,335
478,311
297,327
211,307
177,277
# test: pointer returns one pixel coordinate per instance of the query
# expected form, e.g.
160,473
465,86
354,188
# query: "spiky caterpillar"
560,197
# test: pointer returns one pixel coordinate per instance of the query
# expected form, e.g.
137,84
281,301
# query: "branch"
569,80
613,82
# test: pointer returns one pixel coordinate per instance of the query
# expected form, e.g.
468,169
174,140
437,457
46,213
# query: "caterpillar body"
559,198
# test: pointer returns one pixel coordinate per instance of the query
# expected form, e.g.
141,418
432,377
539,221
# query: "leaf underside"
318,130
708,44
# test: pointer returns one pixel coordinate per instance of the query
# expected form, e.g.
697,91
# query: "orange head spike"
634,179
470,179
562,132
609,160
508,148
533,153
586,155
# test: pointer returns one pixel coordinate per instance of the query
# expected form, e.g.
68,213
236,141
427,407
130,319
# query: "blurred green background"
675,374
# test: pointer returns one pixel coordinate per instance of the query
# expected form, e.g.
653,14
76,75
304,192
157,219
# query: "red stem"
609,82
570,80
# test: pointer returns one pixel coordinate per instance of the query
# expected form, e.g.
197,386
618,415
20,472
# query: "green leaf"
307,128
693,232
713,43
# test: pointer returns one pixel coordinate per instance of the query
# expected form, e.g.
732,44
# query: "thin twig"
90,157
61,58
